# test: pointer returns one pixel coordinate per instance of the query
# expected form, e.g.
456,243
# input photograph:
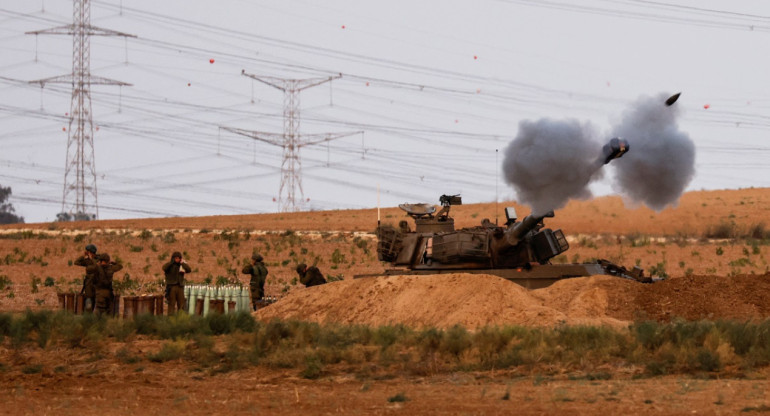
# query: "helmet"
256,256
301,267
91,248
104,257
176,254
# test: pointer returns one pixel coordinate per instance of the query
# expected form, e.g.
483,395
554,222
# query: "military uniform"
258,272
310,276
88,291
103,275
175,283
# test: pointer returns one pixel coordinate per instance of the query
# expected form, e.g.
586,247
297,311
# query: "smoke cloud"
661,162
551,161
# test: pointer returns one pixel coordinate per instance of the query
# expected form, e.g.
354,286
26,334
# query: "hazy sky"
435,86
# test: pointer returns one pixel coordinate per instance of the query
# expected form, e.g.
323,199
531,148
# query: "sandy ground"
167,391
482,300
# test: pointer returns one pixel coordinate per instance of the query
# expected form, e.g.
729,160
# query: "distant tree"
77,216
7,212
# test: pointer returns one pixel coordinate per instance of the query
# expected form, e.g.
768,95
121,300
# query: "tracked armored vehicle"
520,251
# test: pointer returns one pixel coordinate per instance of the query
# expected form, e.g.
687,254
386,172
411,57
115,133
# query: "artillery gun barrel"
515,234
614,149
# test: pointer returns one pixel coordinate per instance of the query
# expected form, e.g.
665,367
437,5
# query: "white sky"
436,86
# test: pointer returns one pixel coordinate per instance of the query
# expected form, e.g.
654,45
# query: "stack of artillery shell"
201,300
140,305
206,299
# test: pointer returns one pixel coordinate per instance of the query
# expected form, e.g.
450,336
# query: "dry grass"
313,350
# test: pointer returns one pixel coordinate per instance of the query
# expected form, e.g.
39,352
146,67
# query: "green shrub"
338,257
125,357
659,270
244,322
759,232
722,230
220,323
490,342
34,282
387,335
120,329
169,238
172,350
5,282
398,398
707,360
32,369
313,367
429,340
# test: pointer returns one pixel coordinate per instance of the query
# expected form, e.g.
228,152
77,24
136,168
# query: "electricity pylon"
290,140
79,198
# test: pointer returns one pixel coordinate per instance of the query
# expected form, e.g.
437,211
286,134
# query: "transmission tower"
79,199
290,141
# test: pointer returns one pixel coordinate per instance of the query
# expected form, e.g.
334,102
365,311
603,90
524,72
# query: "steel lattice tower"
79,198
290,141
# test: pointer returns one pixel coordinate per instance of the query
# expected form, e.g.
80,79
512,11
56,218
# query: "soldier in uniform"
103,272
89,293
310,276
175,270
258,272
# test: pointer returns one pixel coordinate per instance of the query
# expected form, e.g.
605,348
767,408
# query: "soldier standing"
88,291
258,272
175,270
103,272
310,276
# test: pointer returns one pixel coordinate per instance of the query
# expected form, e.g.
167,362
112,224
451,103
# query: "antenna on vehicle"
378,205
497,175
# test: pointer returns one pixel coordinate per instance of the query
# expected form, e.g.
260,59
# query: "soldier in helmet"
258,272
310,276
103,273
88,291
175,271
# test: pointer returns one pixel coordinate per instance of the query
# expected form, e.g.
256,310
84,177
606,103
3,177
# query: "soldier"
103,272
89,293
175,270
258,272
310,276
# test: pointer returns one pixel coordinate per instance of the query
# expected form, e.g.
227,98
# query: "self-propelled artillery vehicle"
520,251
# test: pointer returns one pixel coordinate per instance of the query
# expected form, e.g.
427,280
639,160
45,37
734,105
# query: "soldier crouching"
310,276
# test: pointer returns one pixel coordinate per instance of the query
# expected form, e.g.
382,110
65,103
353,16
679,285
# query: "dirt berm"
478,300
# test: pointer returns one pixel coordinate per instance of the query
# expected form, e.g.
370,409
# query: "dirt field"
725,277
166,390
